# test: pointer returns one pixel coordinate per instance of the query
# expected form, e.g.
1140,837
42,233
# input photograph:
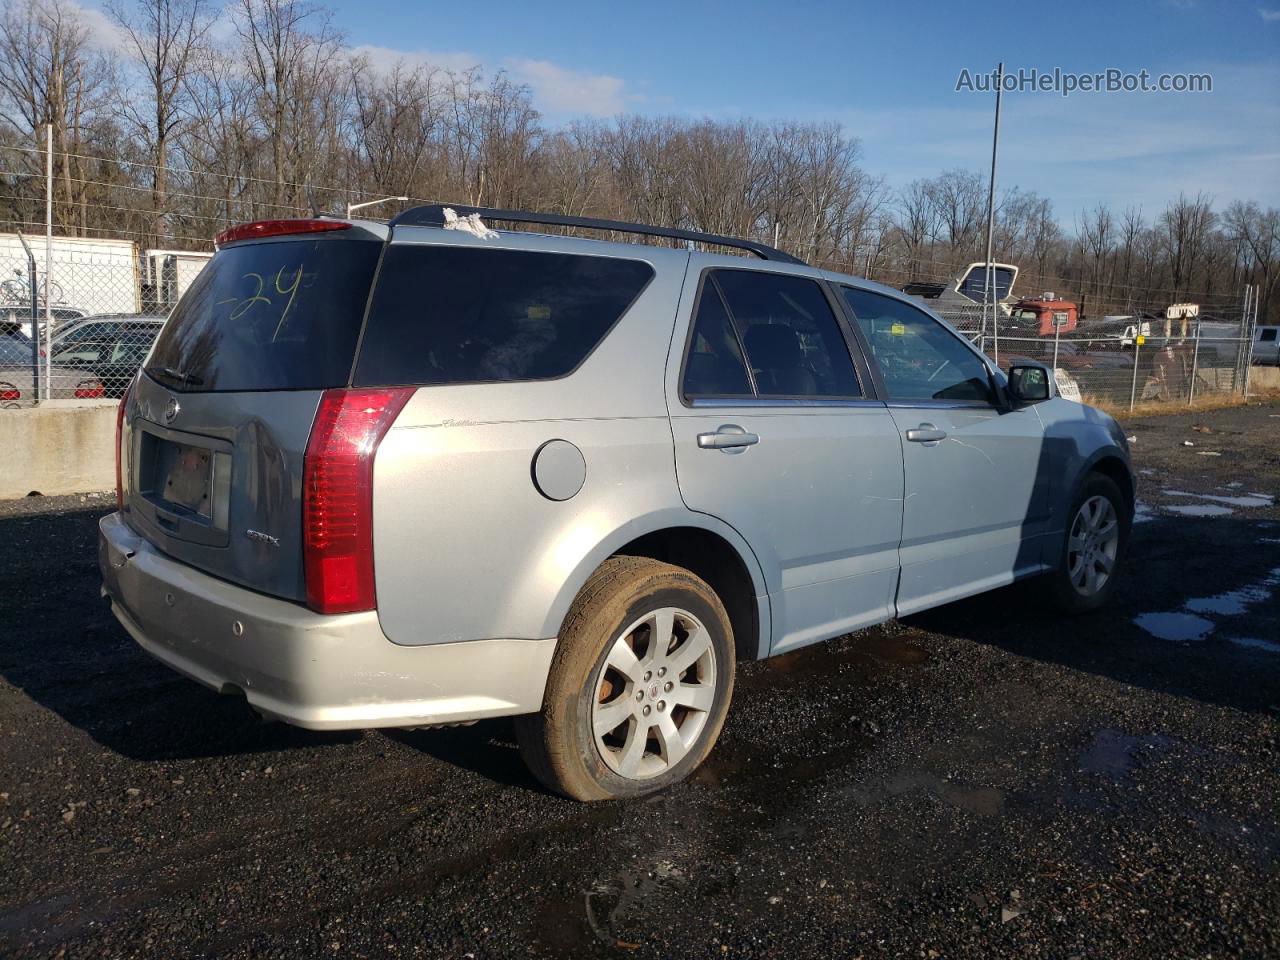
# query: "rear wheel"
1096,539
639,685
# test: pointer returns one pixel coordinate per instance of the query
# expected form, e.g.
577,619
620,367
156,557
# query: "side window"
715,367
444,314
918,357
1269,335
792,340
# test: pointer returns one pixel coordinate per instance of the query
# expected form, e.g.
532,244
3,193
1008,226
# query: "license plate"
186,471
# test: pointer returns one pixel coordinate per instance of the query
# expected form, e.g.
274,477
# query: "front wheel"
1096,539
639,685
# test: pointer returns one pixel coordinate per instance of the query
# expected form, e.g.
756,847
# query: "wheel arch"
1113,465
700,543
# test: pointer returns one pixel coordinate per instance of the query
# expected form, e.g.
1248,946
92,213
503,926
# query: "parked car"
398,475
17,382
20,314
113,345
1266,345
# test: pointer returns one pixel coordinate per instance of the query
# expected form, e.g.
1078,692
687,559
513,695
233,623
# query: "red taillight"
9,393
124,402
276,228
337,496
89,390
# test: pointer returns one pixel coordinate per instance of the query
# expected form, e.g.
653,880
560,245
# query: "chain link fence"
81,328
1123,367
85,325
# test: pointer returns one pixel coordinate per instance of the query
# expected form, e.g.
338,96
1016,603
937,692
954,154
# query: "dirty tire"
558,744
1058,584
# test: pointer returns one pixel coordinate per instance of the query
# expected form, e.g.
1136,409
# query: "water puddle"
1219,505
1113,753
1199,510
1187,627
1255,643
1175,627
980,801
1247,500
1235,602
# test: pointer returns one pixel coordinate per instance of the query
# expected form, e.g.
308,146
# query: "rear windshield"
467,315
282,315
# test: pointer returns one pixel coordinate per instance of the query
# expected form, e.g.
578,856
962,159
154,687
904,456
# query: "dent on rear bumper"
312,670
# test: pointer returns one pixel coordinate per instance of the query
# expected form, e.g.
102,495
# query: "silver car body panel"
819,497
314,671
837,520
265,436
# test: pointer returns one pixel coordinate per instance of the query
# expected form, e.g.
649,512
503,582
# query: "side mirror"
1028,383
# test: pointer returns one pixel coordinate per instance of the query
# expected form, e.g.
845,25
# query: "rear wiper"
182,376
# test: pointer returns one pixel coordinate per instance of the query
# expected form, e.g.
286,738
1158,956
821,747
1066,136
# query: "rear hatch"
219,420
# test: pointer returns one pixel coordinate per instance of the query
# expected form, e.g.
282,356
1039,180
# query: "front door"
776,436
977,478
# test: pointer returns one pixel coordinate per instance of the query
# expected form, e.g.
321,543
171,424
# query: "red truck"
1045,313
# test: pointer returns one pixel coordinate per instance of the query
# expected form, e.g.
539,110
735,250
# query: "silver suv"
406,474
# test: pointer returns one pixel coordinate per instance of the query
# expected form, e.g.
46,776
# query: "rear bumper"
315,671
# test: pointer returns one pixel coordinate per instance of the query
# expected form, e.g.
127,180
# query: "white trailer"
168,273
91,275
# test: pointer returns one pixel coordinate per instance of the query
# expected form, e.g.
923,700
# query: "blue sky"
888,71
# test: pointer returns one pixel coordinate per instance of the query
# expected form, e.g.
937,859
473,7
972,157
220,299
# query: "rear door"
977,475
219,419
777,434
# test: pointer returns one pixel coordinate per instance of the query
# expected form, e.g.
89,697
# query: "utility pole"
989,292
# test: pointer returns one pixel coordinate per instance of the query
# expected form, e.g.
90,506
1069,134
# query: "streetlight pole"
369,203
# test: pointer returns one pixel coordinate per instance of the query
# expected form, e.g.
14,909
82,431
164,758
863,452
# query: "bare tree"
50,74
291,52
1186,224
161,38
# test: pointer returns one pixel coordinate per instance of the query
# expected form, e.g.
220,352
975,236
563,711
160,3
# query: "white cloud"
561,90
1268,15
556,89
102,32
384,59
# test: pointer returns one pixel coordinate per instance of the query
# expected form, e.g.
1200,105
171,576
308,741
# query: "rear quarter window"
464,315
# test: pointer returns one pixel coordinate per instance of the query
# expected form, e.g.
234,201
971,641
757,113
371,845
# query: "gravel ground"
981,780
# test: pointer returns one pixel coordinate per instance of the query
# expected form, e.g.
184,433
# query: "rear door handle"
926,433
728,437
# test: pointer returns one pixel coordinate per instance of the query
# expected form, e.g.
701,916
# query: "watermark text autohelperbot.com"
1065,83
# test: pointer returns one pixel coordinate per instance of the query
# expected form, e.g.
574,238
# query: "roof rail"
432,215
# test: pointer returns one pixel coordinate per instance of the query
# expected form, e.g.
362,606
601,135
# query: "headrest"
773,345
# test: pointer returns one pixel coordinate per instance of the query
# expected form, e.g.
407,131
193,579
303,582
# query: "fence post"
1195,360
1057,331
1133,388
1252,335
35,315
